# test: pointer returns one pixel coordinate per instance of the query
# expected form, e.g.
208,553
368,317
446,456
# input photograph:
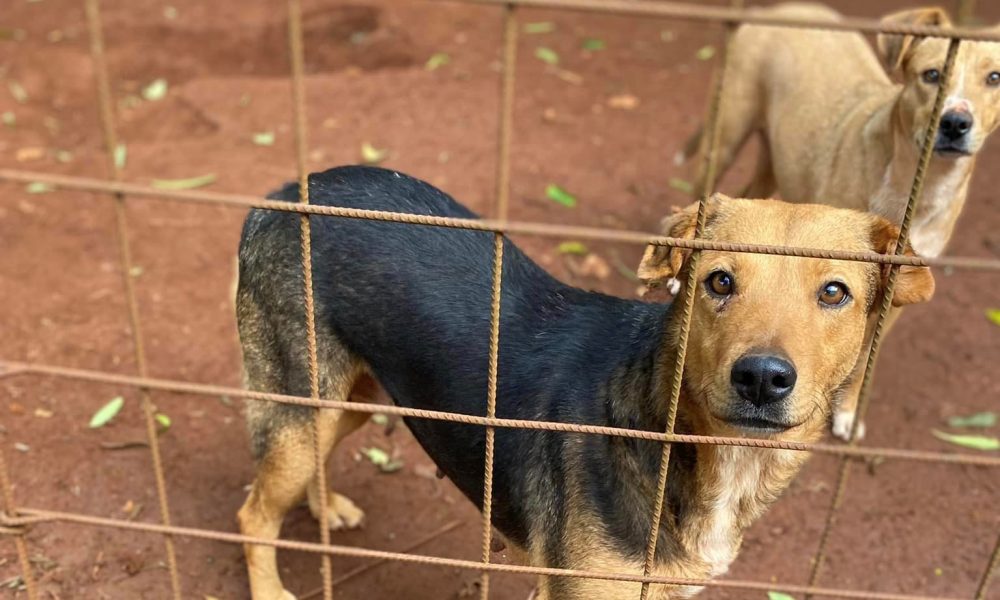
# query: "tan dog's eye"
834,293
931,76
720,284
993,79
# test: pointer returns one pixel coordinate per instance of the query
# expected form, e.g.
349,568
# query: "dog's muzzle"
762,383
953,134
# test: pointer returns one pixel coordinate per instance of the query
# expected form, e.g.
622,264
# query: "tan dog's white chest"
716,541
941,199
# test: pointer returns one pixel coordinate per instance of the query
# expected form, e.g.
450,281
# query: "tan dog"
835,129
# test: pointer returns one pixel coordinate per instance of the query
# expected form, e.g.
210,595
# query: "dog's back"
412,302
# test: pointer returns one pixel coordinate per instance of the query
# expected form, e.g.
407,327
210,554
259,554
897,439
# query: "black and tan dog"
407,308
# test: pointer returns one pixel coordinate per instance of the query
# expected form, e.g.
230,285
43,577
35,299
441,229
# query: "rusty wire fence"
15,519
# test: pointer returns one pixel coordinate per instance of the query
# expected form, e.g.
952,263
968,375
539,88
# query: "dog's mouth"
756,424
760,425
946,150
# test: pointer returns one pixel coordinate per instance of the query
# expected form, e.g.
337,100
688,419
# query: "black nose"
763,378
955,124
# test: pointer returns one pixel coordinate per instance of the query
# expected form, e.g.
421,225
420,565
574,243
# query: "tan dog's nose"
763,379
955,124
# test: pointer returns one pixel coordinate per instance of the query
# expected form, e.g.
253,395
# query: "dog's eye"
834,293
720,284
993,79
931,76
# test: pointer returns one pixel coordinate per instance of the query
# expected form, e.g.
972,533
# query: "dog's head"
774,338
972,103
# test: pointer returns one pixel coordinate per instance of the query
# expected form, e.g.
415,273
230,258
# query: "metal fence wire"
15,519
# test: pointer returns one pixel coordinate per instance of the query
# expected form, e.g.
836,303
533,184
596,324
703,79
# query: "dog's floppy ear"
661,263
895,49
914,284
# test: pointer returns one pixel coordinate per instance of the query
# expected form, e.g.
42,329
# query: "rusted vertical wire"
297,54
504,135
102,83
994,562
687,299
926,151
506,110
10,509
491,410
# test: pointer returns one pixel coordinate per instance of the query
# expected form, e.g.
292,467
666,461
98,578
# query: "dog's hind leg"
283,435
738,119
763,184
341,512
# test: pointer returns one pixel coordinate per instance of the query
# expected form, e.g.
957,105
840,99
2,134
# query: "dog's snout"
955,124
763,378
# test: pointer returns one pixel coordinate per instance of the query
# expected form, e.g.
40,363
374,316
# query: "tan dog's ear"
895,49
914,284
661,263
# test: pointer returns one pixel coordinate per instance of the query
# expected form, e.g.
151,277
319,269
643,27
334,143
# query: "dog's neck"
714,492
945,183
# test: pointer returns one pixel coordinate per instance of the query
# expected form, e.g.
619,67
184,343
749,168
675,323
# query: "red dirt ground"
904,527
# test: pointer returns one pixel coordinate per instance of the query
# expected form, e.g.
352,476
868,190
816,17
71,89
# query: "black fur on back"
414,303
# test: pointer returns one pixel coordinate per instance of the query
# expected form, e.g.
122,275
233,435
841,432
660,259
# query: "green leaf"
64,156
706,52
976,442
39,187
547,55
556,193
437,60
264,138
184,184
392,466
156,90
372,155
163,420
377,456
682,185
982,419
121,154
540,27
993,314
779,596
593,44
107,412
380,419
572,248
9,118
17,91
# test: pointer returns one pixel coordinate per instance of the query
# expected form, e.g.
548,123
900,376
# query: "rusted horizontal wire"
34,516
244,201
168,385
717,14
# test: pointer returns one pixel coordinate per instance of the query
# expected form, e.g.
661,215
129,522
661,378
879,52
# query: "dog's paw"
342,513
842,423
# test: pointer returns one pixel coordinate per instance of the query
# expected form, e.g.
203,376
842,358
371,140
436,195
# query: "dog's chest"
930,231
738,473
